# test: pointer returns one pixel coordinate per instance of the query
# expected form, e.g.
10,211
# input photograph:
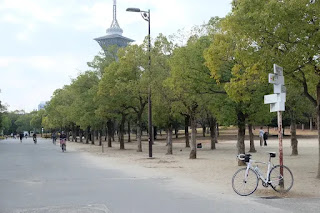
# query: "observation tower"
114,33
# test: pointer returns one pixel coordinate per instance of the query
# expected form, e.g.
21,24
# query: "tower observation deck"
114,33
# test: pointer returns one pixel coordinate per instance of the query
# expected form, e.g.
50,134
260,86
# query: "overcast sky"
45,43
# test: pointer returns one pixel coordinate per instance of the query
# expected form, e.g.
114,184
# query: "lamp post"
146,16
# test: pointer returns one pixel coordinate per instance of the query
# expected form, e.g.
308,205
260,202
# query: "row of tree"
219,75
18,121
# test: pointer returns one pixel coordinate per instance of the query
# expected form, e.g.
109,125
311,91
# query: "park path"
40,178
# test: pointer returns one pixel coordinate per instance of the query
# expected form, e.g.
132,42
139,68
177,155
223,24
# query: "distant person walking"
261,134
265,138
21,136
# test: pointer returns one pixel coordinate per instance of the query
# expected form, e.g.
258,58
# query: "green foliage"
23,123
123,87
37,119
282,32
58,109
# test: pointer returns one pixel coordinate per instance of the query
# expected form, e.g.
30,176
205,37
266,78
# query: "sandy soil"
215,168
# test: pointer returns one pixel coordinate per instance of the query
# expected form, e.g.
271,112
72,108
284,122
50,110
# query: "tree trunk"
155,133
318,125
109,127
68,135
294,141
251,136
311,124
129,131
92,136
169,140
105,133
139,134
193,153
87,135
218,132
203,130
176,131
100,137
73,133
113,131
241,135
121,135
213,132
186,129
81,135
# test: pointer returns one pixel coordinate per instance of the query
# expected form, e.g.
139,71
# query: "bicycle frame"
260,175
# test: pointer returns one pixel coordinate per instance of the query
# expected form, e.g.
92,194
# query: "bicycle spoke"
244,185
281,183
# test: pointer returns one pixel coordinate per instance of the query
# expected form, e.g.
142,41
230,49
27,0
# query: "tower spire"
114,28
114,9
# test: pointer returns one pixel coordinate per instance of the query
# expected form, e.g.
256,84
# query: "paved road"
40,178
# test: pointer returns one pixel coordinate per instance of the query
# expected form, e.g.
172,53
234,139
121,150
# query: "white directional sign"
274,98
278,70
277,100
276,79
279,88
277,107
270,99
273,78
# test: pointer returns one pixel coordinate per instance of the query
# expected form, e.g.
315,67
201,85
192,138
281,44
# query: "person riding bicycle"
54,137
34,136
63,136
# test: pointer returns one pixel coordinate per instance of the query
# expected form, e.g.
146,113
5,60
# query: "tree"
36,120
163,97
2,120
58,109
232,64
285,33
6,124
81,113
23,123
190,79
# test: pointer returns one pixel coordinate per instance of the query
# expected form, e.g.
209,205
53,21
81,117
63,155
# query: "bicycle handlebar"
241,156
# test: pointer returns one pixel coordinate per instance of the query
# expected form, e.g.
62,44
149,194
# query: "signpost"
277,103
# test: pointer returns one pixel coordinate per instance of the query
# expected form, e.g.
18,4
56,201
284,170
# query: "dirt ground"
215,168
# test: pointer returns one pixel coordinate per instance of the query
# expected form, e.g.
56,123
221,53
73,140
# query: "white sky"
45,43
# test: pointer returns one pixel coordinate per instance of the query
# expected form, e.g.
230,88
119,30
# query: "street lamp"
146,16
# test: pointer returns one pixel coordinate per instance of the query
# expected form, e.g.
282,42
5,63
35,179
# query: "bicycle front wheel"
245,184
281,183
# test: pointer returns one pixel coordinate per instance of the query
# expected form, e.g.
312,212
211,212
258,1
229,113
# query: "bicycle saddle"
272,154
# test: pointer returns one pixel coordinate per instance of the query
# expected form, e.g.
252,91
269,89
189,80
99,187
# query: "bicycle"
63,144
245,181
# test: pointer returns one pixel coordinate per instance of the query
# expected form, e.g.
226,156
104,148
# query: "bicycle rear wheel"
245,184
281,183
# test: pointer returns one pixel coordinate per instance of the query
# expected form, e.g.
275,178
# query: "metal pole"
280,141
149,93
